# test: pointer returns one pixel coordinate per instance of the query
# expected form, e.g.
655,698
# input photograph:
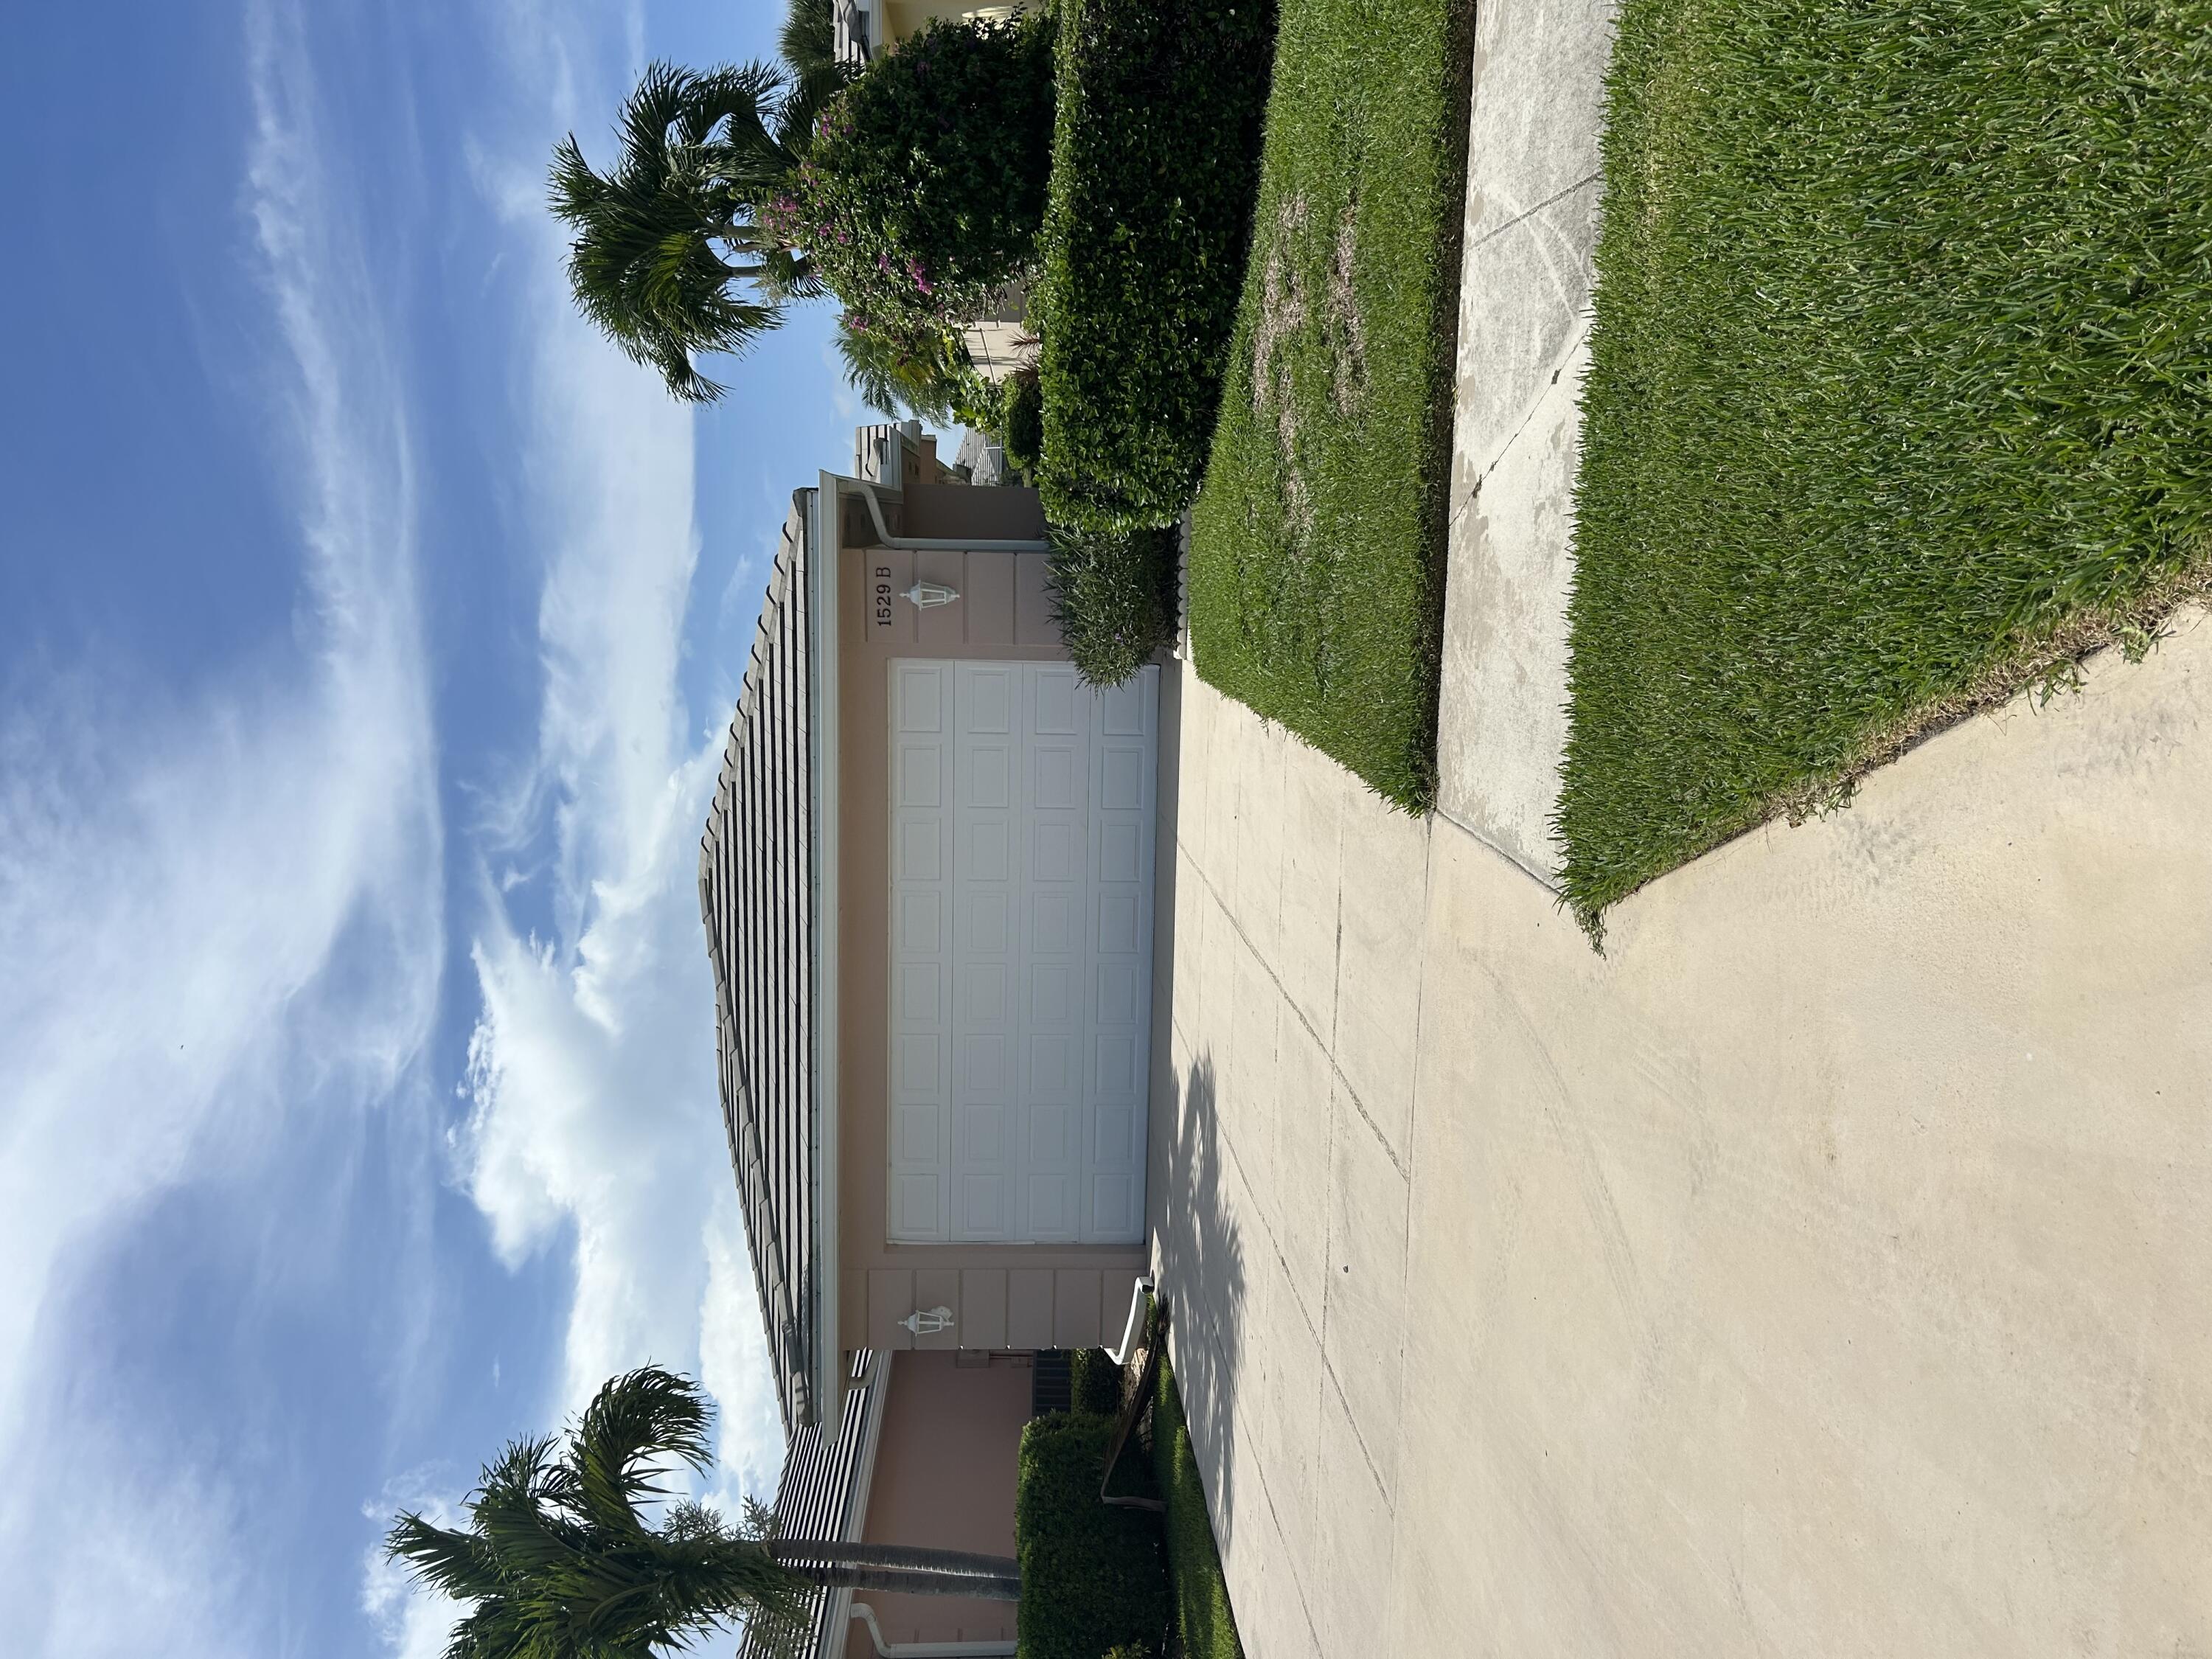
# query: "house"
927,885
864,28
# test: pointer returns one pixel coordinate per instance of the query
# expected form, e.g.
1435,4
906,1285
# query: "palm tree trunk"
900,1567
908,1580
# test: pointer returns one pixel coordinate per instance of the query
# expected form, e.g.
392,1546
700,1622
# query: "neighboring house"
866,27
983,457
928,886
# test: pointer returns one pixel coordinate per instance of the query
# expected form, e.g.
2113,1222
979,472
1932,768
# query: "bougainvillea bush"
924,187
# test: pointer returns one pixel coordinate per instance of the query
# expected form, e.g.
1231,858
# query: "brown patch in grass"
1283,313
1346,331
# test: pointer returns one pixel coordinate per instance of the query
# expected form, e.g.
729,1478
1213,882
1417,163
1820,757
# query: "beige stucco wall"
1003,1295
945,1474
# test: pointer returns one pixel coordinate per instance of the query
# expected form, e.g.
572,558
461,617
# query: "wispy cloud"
414,1622
214,915
595,1127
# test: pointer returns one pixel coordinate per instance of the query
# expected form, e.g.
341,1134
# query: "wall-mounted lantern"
929,1322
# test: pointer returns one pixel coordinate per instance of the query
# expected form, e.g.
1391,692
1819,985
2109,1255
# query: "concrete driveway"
1826,1269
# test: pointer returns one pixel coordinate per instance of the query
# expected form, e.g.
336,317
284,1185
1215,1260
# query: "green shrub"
915,366
1093,1577
1155,165
1021,424
1113,596
925,186
1096,1382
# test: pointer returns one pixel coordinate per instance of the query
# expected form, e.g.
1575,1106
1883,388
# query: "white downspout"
1134,1329
866,492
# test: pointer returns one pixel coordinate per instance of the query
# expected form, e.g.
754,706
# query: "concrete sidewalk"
1826,1269
1531,230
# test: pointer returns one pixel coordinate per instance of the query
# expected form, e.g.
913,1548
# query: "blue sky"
368,633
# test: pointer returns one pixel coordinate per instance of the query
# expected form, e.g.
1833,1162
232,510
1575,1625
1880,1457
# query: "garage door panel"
1056,853
921,774
1053,1071
920,849
1120,926
986,690
987,782
1114,1210
1054,769
1052,995
1123,708
1120,851
1122,773
918,929
984,1002
1053,1146
1117,1067
1022,929
919,1127
1117,994
920,1000
1055,925
987,853
979,1136
985,1210
918,697
917,1209
918,1066
984,930
1053,696
1052,1207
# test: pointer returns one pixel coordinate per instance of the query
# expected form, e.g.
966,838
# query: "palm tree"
558,1562
664,235
808,46
908,369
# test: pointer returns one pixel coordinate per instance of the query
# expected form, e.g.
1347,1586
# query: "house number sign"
882,596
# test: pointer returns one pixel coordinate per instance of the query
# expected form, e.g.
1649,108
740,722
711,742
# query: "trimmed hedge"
1023,420
1096,1382
1113,596
1155,167
924,189
1093,1577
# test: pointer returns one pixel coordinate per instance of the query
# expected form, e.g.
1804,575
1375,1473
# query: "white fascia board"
822,658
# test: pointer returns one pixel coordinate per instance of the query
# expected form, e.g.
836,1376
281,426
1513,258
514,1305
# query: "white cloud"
414,1622
594,1124
212,914
172,1536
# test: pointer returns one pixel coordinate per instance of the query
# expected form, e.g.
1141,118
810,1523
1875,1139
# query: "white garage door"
1021,952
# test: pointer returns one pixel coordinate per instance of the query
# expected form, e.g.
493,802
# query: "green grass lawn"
1317,561
1901,390
1204,1625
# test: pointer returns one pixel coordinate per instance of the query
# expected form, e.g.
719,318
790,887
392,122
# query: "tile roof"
758,898
820,1496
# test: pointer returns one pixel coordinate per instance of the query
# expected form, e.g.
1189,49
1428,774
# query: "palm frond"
558,1562
808,44
635,1429
460,1565
697,149
808,39
744,95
